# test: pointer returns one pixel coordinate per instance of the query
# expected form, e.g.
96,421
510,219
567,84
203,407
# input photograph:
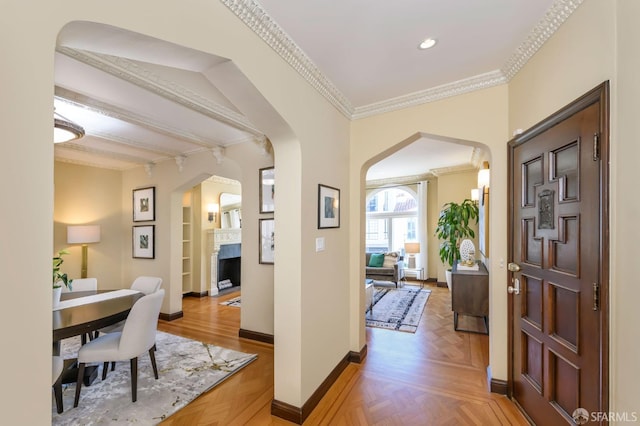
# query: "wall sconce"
83,234
213,210
475,195
412,249
484,175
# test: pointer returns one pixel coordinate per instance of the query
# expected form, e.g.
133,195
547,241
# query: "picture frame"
144,204
267,190
328,207
266,243
143,242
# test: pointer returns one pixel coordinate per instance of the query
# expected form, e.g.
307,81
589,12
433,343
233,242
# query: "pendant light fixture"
65,130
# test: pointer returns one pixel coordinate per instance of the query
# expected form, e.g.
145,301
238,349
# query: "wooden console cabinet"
470,295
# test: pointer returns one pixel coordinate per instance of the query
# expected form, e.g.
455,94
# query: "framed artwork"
144,204
144,242
267,190
267,241
328,207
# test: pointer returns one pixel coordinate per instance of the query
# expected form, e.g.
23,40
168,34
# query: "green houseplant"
454,224
57,276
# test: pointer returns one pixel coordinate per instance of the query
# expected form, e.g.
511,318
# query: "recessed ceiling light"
427,43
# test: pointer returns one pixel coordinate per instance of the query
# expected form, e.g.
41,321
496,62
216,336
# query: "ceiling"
142,100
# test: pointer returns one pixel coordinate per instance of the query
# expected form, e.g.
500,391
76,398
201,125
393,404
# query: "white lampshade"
484,176
475,194
83,234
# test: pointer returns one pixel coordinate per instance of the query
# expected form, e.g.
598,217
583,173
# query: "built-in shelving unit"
186,249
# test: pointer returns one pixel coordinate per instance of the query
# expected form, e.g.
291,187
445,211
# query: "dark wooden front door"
558,262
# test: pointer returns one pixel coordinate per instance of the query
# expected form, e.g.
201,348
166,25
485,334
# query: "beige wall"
597,43
87,195
477,119
312,148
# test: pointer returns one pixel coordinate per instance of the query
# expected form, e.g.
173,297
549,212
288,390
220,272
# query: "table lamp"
412,249
83,234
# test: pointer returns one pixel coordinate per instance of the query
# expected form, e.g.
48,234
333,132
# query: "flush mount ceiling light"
427,43
64,130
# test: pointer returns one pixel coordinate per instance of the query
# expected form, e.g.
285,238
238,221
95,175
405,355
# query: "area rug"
397,309
232,302
186,369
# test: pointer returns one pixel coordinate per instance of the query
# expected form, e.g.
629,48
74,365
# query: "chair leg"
57,391
153,362
105,368
79,384
134,379
113,365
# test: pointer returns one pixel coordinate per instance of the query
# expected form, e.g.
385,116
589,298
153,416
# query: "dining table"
85,312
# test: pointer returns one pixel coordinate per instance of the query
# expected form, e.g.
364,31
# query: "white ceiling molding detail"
149,168
133,73
218,153
223,180
396,181
493,78
455,169
257,19
80,147
555,16
147,122
180,160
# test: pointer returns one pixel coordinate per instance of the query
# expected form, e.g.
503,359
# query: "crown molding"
79,147
257,19
557,14
222,180
400,180
135,74
453,170
471,84
109,110
89,164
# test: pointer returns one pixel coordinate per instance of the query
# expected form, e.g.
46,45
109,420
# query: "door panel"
557,238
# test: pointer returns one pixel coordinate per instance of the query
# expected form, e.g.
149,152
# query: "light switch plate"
320,244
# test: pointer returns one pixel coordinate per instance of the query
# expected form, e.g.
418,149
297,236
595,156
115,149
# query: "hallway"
434,377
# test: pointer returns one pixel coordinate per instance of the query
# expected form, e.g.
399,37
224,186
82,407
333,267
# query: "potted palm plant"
454,224
59,278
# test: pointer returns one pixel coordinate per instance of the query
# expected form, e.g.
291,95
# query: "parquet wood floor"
436,376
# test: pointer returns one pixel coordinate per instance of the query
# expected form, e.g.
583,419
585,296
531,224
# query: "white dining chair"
81,284
146,285
137,337
56,381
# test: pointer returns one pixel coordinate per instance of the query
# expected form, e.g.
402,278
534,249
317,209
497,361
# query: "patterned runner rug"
186,369
397,309
232,302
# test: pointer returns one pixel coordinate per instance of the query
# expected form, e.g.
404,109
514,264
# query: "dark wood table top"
77,320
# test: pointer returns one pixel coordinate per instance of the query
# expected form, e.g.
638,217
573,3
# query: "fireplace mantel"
219,237
215,239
